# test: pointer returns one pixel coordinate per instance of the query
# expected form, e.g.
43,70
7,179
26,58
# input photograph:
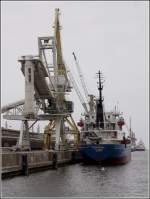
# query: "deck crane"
89,98
77,90
81,77
88,106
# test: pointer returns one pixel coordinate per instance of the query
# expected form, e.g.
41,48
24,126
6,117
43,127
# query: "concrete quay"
26,162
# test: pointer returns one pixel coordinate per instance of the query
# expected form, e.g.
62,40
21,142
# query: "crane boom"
12,105
75,86
81,77
60,63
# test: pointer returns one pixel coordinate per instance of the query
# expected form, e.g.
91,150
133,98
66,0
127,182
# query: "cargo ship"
102,139
140,146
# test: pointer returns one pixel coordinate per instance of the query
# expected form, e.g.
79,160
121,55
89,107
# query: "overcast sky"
111,36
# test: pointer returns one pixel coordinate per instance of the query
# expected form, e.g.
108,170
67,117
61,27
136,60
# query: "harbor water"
78,180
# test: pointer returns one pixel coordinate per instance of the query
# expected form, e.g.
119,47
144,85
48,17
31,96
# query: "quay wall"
23,163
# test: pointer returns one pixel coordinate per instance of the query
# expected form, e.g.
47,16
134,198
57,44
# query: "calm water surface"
130,180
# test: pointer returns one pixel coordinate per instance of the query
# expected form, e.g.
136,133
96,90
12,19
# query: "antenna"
130,122
99,107
100,85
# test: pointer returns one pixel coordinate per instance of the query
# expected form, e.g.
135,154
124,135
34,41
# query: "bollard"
25,170
73,157
54,160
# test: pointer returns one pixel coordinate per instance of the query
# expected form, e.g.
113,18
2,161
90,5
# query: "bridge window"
29,76
29,70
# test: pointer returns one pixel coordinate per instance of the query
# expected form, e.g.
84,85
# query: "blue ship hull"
106,153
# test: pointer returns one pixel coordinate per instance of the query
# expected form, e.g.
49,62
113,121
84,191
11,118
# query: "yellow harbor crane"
62,85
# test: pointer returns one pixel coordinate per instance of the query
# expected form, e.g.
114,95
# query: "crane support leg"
74,128
47,135
58,126
24,140
29,86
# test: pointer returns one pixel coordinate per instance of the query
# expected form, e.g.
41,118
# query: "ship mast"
99,106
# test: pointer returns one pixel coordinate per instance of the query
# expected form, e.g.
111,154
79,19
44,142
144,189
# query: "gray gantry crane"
46,84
